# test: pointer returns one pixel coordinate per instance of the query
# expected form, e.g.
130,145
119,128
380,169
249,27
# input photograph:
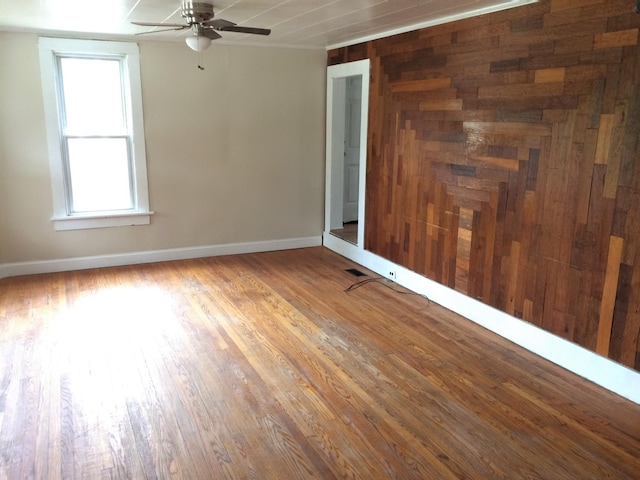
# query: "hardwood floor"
262,366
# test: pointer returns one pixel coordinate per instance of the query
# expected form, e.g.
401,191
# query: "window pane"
99,173
92,93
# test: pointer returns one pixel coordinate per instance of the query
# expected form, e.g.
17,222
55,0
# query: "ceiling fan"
199,18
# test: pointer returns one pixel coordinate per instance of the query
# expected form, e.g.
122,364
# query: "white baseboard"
83,263
600,370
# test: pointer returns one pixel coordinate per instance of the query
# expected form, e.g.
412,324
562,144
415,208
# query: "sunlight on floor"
108,341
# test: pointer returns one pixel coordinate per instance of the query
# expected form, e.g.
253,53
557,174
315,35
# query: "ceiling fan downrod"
196,12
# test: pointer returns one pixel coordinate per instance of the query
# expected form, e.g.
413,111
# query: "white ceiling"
294,23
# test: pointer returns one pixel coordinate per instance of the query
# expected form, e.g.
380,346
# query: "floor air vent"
355,272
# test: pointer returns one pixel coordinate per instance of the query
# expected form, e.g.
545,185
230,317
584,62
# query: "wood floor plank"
262,366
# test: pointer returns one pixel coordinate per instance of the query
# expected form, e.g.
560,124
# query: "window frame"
51,49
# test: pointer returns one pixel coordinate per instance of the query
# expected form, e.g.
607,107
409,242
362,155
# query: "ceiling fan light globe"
198,43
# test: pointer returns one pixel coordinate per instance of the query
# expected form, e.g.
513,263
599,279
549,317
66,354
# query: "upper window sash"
81,128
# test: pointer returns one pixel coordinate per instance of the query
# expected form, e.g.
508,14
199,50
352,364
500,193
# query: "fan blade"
219,23
154,24
163,30
255,31
211,33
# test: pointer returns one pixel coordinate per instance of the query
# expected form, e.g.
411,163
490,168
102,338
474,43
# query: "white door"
352,149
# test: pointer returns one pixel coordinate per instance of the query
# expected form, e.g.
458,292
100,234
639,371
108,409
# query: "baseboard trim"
600,370
151,256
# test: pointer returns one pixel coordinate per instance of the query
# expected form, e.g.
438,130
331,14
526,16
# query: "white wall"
235,153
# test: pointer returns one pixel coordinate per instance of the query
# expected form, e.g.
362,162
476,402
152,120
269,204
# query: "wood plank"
611,180
604,139
557,5
573,44
472,58
609,295
550,75
421,85
511,164
483,31
616,39
538,89
526,116
489,212
441,104
507,128
513,277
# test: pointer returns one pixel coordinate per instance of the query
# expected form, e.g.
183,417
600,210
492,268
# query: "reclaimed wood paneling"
503,162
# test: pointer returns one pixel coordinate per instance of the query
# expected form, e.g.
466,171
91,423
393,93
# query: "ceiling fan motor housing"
198,18
196,12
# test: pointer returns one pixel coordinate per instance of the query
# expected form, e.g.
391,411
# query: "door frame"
336,105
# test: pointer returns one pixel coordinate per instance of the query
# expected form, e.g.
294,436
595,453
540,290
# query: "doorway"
347,115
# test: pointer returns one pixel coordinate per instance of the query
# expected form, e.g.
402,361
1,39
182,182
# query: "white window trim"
62,219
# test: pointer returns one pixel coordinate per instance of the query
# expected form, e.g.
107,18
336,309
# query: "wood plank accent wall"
503,162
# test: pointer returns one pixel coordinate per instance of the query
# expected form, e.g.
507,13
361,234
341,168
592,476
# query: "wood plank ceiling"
294,23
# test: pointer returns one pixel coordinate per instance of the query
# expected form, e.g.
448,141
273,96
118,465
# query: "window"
93,110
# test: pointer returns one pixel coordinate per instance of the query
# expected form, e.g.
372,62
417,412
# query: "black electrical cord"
384,282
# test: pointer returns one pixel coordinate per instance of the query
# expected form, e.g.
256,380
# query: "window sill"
82,222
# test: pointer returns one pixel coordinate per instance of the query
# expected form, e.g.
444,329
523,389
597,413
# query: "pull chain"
200,61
